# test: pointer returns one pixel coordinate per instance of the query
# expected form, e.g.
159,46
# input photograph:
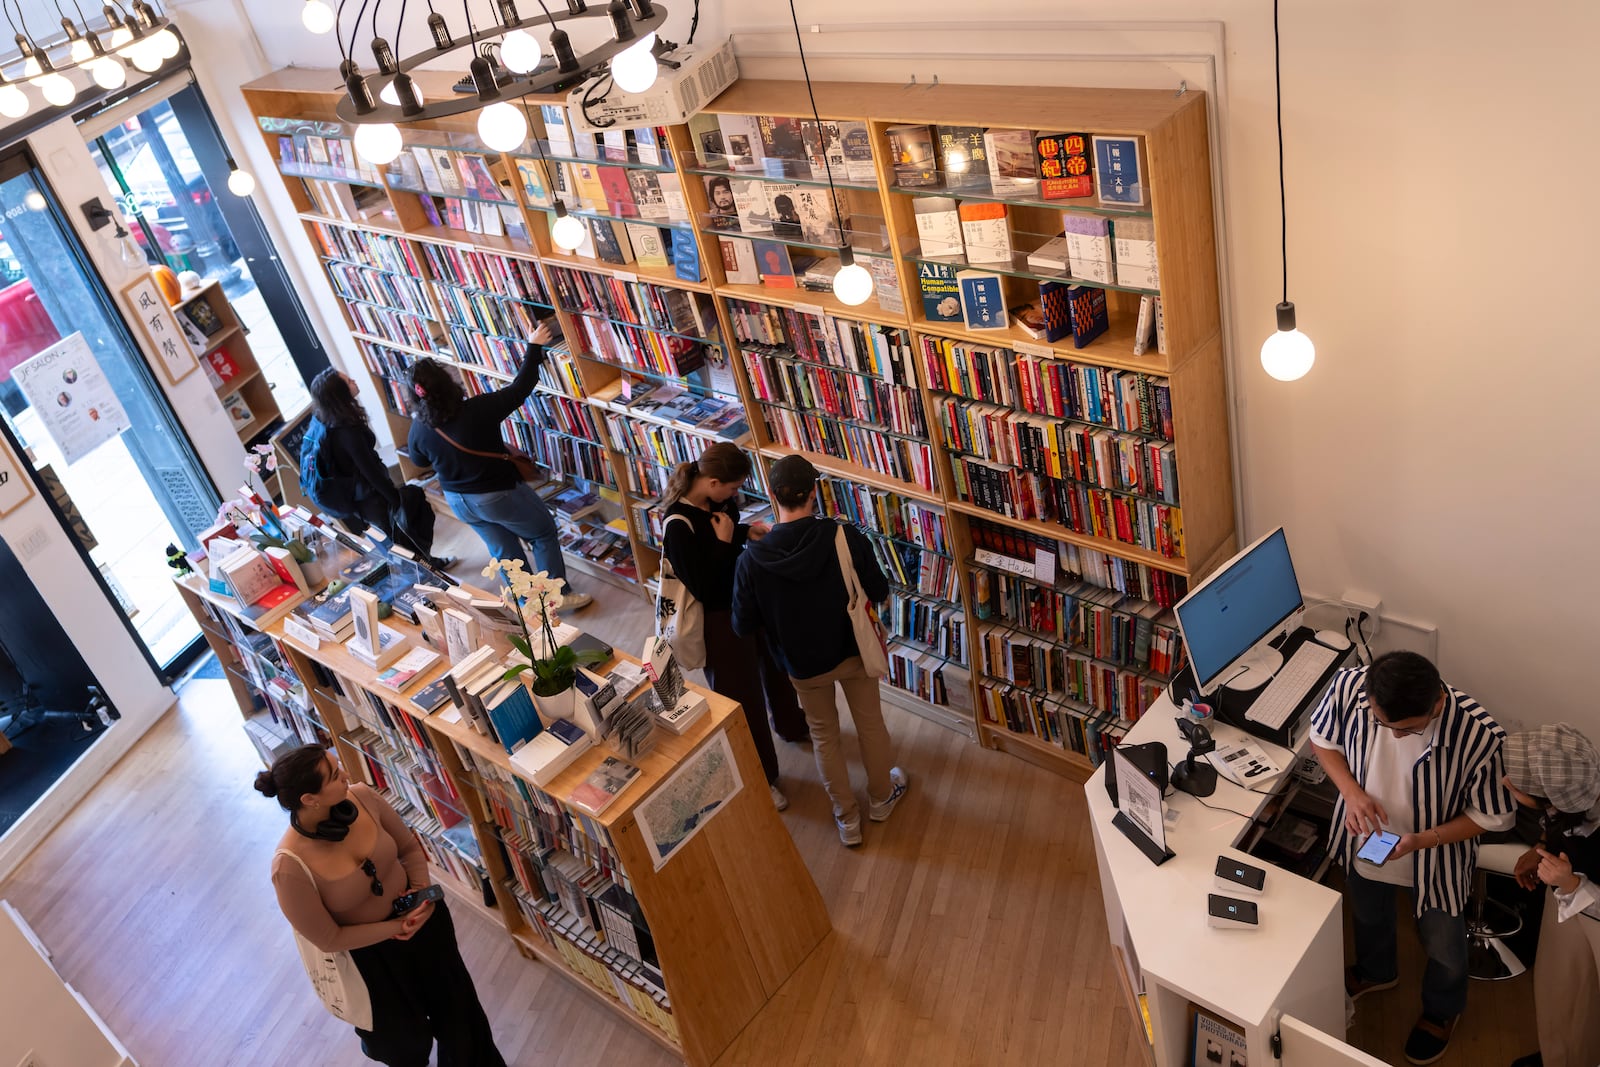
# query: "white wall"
1437,156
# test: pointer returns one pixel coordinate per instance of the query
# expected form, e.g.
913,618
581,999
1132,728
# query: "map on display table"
682,805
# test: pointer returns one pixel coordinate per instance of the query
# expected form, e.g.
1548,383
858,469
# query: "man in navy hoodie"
790,585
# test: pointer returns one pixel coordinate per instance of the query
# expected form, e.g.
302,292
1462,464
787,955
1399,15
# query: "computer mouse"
1333,639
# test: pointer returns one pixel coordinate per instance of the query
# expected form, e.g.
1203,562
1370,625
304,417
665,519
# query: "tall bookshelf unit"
1042,632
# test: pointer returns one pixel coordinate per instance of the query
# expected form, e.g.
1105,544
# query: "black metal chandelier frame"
143,21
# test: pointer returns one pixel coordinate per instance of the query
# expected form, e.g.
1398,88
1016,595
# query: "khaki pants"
1566,988
866,711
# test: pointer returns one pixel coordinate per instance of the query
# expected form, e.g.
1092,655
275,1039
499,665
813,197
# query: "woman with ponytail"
702,540
338,870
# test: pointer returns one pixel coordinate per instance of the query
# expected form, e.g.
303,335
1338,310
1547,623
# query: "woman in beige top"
360,856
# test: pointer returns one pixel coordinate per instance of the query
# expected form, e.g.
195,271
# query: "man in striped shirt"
1416,758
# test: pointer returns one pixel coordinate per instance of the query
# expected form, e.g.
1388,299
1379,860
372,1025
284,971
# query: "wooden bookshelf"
733,912
1177,179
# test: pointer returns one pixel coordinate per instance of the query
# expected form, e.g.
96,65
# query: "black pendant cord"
1283,210
833,196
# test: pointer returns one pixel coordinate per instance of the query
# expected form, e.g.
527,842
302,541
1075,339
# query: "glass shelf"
690,381
404,184
981,189
786,355
491,293
791,171
642,326
604,156
1017,265
862,242
635,220
328,173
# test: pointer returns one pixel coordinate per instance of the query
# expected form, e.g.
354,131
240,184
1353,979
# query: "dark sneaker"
1429,1039
1356,987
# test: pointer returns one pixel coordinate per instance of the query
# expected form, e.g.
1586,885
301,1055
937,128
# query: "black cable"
355,30
1283,210
694,22
377,7
338,38
804,70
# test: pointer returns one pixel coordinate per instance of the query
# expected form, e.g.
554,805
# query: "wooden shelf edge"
843,468
544,954
1061,533
949,718
1040,753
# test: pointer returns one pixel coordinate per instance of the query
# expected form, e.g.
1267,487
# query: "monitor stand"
1255,668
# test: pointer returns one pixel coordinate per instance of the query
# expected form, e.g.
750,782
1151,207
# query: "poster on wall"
149,313
683,804
15,489
72,397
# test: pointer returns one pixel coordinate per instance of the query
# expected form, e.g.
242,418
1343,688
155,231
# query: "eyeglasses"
371,871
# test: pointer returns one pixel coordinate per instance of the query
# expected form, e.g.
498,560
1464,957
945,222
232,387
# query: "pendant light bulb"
378,143
520,51
13,102
107,73
567,233
80,50
241,182
58,89
390,96
853,283
31,67
145,54
502,127
120,37
634,68
317,16
166,44
1288,354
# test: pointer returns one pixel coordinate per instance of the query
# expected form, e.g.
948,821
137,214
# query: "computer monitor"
1227,620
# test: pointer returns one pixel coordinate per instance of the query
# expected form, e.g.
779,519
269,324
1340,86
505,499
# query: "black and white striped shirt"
1461,770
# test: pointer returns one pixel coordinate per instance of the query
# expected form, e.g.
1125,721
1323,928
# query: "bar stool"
1489,921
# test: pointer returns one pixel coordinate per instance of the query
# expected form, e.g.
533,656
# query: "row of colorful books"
1119,399
1036,663
916,570
1034,164
808,387
1100,622
863,348
664,446
871,447
641,303
1083,509
664,354
499,354
396,327
687,409
497,316
380,250
885,512
472,216
1047,446
391,290
508,276
928,677
1049,561
936,625
335,158
563,455
1072,727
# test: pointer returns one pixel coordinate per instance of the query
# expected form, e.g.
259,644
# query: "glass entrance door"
94,426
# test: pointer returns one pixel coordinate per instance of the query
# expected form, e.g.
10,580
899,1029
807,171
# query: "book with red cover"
223,365
618,192
1063,165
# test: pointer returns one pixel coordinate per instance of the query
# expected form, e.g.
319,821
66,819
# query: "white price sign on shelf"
1027,349
624,276
810,309
1001,562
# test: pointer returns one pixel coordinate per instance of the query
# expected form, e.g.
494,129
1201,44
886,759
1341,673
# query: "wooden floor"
969,929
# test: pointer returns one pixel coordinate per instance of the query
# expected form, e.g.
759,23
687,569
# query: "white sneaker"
779,801
878,811
849,832
576,601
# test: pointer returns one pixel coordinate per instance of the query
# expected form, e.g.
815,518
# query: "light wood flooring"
968,930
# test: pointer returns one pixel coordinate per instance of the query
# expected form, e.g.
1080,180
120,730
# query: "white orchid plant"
536,598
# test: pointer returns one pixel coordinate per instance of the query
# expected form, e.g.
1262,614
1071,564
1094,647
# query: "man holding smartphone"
1419,762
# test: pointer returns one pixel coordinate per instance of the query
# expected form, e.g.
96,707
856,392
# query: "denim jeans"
508,517
1444,939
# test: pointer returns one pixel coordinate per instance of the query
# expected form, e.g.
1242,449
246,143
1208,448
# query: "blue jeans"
506,518
1444,939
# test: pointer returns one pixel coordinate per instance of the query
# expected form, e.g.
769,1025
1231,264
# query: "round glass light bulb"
166,43
241,183
567,233
502,127
13,102
1287,355
145,54
80,51
57,89
317,16
108,73
378,143
34,200
634,68
31,67
853,284
520,51
390,96
120,37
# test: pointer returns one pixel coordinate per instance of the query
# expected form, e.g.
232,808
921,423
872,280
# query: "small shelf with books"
221,344
862,178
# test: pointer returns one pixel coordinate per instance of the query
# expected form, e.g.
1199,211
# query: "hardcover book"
1117,170
1089,317
1013,169
1134,244
1089,246
1063,165
856,145
938,226
986,230
911,151
750,204
962,157
1057,310
983,303
772,260
941,296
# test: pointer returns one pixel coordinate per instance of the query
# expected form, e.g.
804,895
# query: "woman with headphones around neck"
338,869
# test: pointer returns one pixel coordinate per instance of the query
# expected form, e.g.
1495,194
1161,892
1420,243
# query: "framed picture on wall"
153,319
15,485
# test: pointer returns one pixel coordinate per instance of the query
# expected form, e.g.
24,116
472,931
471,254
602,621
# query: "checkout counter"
1282,984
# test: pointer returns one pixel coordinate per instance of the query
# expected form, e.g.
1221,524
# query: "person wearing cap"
790,586
1555,770
1420,759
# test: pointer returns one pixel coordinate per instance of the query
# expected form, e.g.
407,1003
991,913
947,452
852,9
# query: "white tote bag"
334,975
863,620
680,618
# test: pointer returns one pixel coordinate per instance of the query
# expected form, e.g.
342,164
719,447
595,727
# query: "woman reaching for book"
702,540
338,870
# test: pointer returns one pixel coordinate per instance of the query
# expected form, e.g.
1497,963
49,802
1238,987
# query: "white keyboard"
1290,685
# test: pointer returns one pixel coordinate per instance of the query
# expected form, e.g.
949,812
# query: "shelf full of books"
1041,353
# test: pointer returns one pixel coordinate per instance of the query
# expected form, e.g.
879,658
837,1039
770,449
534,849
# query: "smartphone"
412,900
1378,847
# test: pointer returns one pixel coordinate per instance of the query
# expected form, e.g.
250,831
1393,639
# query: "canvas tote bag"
334,975
863,620
680,618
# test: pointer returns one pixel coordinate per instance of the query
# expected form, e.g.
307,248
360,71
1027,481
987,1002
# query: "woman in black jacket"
350,451
459,437
702,540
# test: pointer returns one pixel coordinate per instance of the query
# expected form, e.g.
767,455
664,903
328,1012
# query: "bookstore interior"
484,301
